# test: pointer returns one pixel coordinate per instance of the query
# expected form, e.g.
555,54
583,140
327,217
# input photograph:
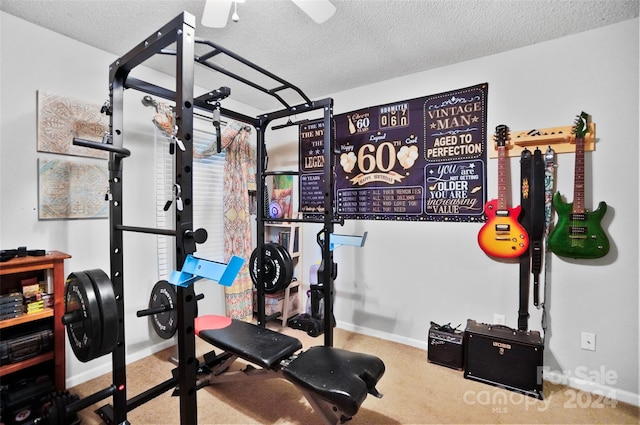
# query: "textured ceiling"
364,42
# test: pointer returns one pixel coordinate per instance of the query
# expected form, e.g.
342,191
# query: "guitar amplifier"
445,346
504,357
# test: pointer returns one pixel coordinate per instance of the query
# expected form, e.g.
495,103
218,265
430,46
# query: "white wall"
411,273
408,273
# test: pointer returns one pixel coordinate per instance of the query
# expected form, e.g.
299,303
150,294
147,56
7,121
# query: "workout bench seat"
335,381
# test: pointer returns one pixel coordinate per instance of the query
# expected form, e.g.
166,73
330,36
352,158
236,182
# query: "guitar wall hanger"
561,139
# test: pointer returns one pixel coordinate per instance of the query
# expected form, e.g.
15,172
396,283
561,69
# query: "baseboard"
601,390
579,384
106,366
384,335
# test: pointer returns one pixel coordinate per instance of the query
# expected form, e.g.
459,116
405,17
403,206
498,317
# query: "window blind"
208,191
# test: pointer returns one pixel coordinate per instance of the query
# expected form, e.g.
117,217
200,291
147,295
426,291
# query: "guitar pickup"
503,227
577,230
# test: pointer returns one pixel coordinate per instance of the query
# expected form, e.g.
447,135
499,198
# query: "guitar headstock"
581,125
501,136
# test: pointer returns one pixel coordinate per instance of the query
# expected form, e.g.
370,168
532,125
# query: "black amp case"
445,348
25,347
504,357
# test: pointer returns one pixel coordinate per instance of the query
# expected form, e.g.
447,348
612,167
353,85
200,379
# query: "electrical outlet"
588,341
499,319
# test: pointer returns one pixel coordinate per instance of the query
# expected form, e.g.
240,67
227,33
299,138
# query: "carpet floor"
415,392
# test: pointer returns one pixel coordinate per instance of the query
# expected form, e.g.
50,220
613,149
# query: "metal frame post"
261,214
184,222
116,94
327,252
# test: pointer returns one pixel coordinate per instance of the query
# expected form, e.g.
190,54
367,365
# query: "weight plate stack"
288,264
91,315
278,268
108,310
82,316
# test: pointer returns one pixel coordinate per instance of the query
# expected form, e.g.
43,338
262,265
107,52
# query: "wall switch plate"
499,319
588,341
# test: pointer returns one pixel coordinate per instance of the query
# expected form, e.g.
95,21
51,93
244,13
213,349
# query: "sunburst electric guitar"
578,233
502,236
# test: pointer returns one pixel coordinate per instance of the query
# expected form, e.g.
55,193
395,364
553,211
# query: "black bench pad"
339,377
256,344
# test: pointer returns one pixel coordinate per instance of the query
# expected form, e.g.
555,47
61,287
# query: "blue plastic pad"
337,240
198,268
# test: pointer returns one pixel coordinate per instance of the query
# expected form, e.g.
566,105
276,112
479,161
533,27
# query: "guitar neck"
503,185
578,178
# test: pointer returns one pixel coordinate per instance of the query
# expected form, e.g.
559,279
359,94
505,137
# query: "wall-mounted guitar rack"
561,139
177,38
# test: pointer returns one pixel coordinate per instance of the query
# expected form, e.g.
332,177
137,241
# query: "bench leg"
329,413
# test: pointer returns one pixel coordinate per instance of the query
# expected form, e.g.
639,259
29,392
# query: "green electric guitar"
578,232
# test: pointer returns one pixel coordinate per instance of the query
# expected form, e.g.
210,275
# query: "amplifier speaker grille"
445,348
504,357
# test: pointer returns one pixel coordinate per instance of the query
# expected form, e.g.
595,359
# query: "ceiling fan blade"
318,10
216,13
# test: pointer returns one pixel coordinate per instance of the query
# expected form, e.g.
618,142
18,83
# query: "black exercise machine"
177,38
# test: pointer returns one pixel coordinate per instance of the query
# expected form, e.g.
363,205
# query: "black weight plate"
253,266
61,410
85,334
288,265
166,323
273,270
277,268
108,310
51,414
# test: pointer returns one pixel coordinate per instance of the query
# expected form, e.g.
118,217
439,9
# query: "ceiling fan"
216,12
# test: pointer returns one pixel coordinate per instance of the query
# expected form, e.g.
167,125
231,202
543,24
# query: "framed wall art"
72,189
62,118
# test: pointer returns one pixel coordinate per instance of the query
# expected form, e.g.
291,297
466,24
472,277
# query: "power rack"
177,38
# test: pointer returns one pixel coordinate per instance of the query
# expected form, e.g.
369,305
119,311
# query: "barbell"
91,311
91,314
163,309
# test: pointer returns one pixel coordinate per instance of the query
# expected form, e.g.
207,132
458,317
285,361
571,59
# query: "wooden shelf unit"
25,318
272,231
10,273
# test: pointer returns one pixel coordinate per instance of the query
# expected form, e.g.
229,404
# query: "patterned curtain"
239,175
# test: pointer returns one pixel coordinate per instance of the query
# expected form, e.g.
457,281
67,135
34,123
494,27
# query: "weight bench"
334,381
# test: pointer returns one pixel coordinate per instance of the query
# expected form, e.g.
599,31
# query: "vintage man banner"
421,159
